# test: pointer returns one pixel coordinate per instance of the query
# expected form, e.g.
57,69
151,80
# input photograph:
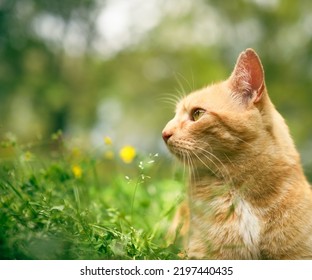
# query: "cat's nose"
166,135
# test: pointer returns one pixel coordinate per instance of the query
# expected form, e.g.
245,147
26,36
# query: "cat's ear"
247,79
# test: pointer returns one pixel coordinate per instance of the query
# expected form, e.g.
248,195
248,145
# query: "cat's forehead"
211,97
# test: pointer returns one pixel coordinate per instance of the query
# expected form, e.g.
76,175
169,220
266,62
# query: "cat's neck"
258,178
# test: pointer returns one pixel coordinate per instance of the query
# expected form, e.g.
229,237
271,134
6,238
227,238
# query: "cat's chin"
192,159
182,155
179,154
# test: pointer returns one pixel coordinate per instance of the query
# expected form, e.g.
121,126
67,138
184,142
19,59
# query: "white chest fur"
248,225
229,225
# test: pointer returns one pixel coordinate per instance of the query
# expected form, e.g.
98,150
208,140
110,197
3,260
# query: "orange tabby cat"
248,196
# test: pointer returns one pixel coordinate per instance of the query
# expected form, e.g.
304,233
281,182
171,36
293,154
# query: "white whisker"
168,100
227,177
198,157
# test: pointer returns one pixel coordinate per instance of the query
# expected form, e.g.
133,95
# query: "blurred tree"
34,90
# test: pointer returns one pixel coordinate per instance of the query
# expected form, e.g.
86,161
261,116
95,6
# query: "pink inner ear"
248,77
255,70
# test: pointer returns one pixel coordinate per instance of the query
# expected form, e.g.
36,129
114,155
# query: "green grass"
66,203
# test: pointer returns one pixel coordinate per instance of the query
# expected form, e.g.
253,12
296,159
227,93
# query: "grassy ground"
74,204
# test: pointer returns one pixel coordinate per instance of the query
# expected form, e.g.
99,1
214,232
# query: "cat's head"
223,120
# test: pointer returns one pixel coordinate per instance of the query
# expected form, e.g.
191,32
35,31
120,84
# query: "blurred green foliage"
101,67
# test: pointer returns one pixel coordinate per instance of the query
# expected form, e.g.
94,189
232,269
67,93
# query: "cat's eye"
197,114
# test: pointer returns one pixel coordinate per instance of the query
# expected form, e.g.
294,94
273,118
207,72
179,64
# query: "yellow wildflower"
27,156
127,154
108,141
77,171
109,155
